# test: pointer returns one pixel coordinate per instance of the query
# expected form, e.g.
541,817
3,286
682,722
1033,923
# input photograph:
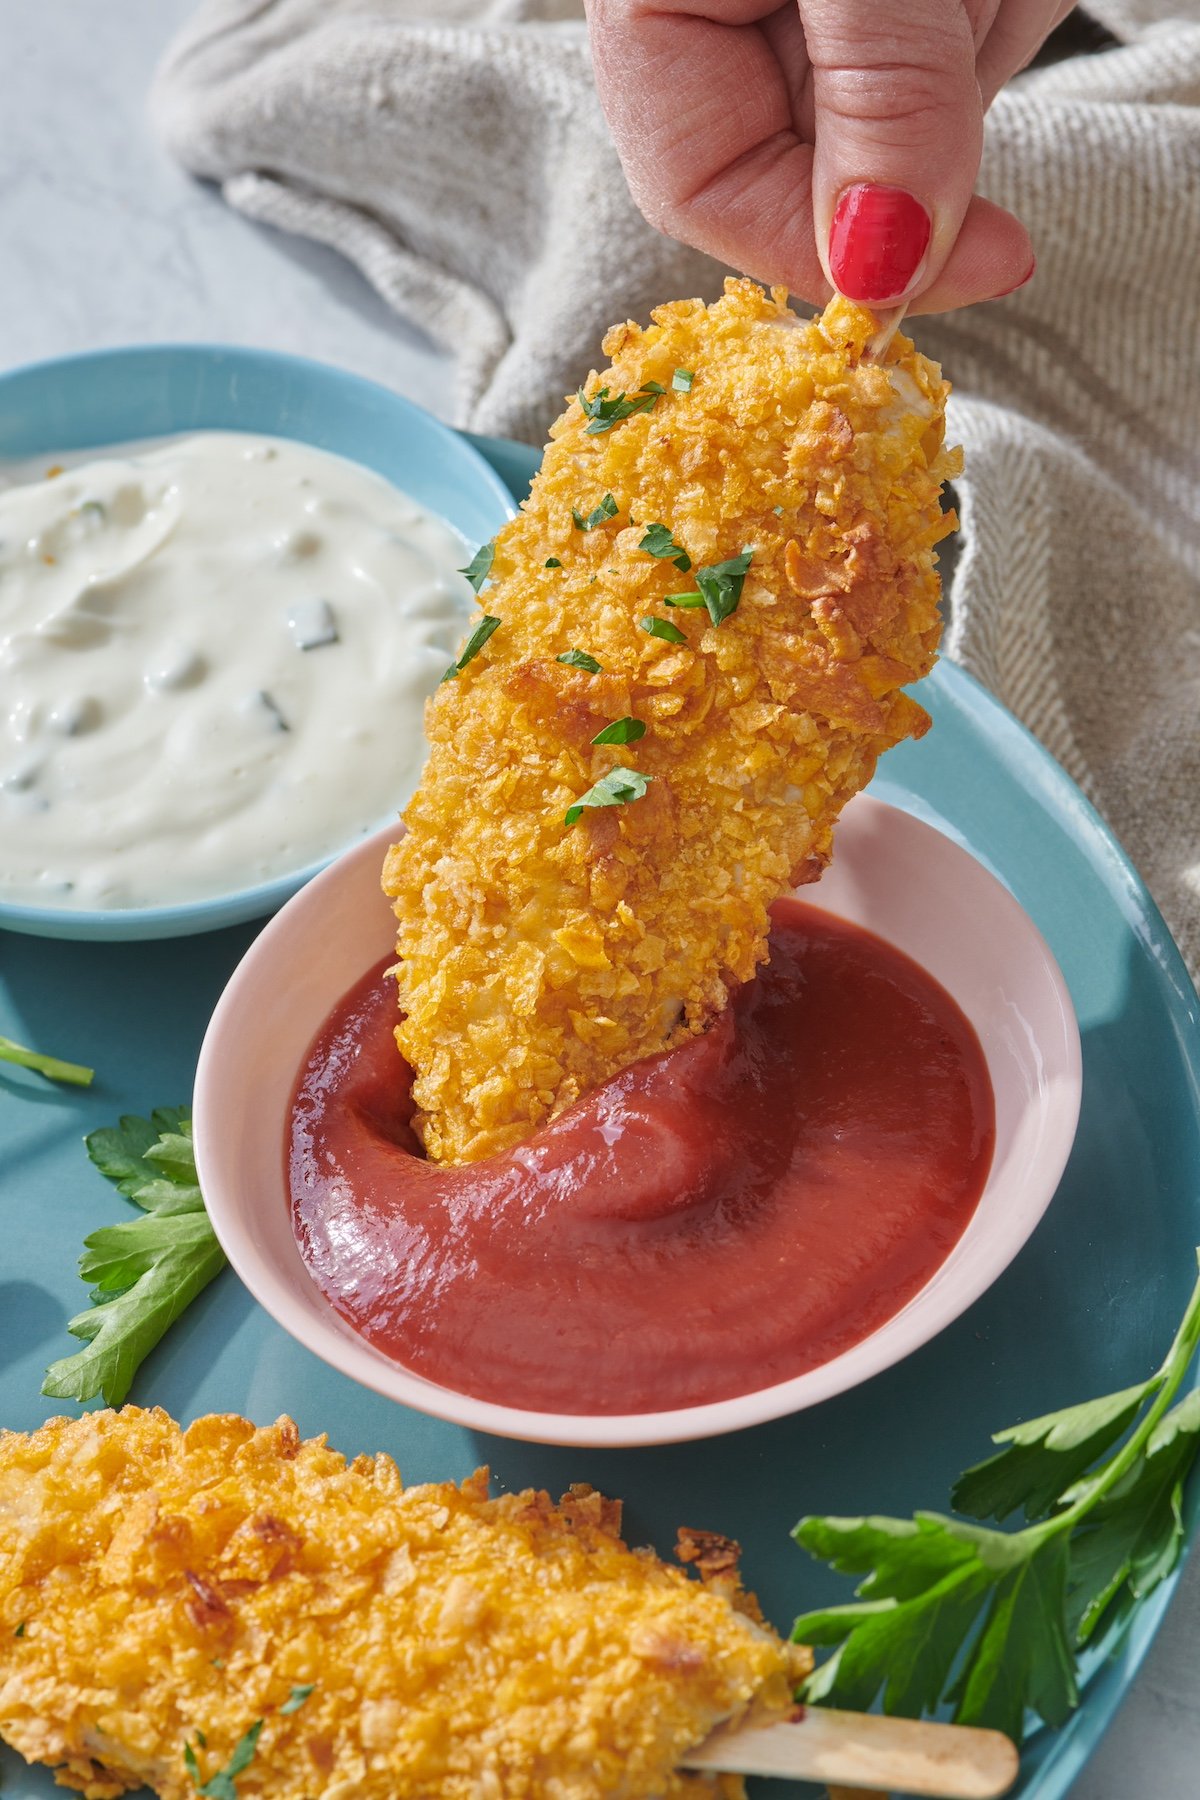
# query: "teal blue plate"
1088,1306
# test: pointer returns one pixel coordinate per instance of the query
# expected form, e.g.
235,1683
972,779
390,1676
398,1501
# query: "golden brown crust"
169,1583
536,960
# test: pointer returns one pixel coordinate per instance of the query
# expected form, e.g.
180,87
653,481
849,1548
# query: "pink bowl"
892,873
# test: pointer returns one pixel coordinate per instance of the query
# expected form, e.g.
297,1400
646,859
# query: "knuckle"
919,98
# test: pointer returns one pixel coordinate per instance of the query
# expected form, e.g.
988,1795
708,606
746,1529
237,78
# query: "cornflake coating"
537,960
171,1587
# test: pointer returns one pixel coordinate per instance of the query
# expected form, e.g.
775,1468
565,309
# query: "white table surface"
104,241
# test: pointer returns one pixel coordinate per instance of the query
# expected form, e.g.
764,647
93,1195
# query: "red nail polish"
877,242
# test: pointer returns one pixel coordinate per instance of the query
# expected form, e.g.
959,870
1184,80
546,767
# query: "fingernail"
877,242
1027,276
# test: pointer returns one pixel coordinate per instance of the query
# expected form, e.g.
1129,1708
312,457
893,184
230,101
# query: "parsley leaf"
20,1631
473,645
989,1622
614,789
662,628
682,380
604,412
1024,1477
607,509
684,600
721,585
298,1696
480,566
658,541
621,731
579,659
552,562
223,1785
146,1271
52,1067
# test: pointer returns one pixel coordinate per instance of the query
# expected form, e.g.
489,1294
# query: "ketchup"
711,1221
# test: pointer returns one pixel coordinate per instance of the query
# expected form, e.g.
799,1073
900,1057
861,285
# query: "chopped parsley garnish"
659,542
721,585
201,1739
473,645
607,509
990,1622
616,788
20,1631
146,1270
684,600
621,731
52,1067
682,380
552,562
579,659
223,1785
604,412
662,628
778,511
298,1696
480,566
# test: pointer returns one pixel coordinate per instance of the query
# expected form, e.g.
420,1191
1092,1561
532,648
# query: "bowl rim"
186,917
337,1344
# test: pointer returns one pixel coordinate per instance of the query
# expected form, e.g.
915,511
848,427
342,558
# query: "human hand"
822,143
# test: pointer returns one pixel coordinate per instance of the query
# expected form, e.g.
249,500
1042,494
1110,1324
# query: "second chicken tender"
730,543
179,1607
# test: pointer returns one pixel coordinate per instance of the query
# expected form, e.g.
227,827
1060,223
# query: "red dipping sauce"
711,1221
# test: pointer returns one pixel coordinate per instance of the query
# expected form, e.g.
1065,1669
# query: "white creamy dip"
214,657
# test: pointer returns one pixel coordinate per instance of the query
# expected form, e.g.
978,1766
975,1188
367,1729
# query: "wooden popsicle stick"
862,1750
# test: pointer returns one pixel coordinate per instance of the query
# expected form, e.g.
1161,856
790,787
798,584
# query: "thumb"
898,134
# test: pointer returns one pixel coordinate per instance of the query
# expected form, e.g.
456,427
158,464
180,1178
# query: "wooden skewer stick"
862,1750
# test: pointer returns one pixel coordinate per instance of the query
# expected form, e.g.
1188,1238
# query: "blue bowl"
114,396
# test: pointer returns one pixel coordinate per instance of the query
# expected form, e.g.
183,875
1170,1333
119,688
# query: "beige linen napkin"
455,150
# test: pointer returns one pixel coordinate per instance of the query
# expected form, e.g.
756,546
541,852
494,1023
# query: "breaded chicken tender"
177,1604
539,957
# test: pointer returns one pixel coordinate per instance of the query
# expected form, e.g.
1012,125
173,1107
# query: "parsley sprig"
663,628
223,1785
480,566
52,1067
473,646
659,541
607,509
146,1270
616,788
721,585
621,731
989,1622
579,659
718,587
604,412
